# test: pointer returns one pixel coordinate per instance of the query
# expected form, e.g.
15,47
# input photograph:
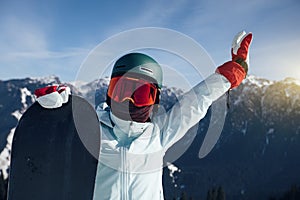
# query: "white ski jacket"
131,154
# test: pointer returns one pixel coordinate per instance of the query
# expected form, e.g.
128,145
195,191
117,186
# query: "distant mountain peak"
290,80
52,79
260,82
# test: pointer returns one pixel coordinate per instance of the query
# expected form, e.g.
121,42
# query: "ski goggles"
139,91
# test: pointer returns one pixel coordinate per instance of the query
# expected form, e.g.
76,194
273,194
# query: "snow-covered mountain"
257,155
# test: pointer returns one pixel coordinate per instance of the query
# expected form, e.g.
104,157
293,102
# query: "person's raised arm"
193,105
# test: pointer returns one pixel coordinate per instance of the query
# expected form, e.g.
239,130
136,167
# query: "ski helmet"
139,64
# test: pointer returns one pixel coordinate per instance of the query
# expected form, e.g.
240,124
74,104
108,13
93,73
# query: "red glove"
52,96
240,46
235,71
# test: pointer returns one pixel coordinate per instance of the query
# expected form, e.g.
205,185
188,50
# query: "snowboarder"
134,139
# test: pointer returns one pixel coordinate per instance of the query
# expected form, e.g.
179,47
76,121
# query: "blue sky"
41,38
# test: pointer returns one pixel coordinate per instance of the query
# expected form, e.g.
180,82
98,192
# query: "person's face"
132,98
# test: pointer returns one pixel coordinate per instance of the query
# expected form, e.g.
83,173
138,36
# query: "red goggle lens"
139,91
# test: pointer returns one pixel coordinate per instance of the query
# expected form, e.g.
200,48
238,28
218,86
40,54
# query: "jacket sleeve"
190,109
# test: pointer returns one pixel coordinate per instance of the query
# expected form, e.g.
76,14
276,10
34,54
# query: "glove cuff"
50,101
243,63
52,96
233,72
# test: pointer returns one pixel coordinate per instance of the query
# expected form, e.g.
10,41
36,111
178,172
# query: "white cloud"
160,12
24,51
26,48
275,48
152,14
46,54
18,35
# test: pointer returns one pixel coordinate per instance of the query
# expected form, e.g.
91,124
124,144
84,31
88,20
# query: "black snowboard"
54,153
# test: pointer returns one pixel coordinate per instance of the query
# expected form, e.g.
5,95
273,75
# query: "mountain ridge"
257,148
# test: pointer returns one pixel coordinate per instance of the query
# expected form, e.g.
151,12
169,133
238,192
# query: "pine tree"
221,194
183,196
212,194
216,194
2,187
209,195
292,194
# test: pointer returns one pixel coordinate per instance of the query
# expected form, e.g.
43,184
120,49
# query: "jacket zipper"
124,177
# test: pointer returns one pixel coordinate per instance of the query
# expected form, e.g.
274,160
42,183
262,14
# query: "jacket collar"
124,131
